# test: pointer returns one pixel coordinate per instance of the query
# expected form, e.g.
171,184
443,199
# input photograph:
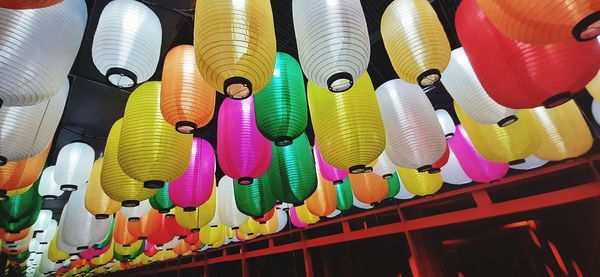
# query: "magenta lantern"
243,152
475,166
329,172
92,252
195,186
294,218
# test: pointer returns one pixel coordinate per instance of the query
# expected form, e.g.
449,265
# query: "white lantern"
46,265
452,172
403,193
282,219
384,166
226,207
37,50
48,188
414,137
335,213
596,111
531,162
60,244
74,165
42,222
135,213
126,46
46,236
462,84
333,41
446,122
27,131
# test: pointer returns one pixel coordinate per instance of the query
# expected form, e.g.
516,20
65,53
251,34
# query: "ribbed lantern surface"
323,200
145,226
96,201
74,165
161,200
330,173
255,199
201,216
369,188
420,183
49,189
20,174
229,214
27,4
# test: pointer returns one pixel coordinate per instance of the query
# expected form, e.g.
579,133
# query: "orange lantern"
19,174
12,237
146,225
369,187
121,233
323,201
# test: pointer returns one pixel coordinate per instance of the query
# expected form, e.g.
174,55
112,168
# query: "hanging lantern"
201,216
475,165
416,41
323,201
16,140
7,237
436,167
270,226
161,201
596,111
344,195
384,167
281,112
176,230
563,131
48,188
74,165
96,201
145,226
115,183
243,153
228,212
369,188
394,184
163,235
304,215
339,54
135,213
31,73
128,252
250,227
27,4
20,174
127,51
420,183
452,172
593,87
414,136
121,233
235,55
42,223
519,75
20,206
328,172
345,139
255,199
194,187
464,87
531,162
446,122
186,101
55,254
105,257
211,235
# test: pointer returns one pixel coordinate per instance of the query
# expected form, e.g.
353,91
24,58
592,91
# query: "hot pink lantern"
150,249
243,152
295,220
195,186
475,166
92,252
329,172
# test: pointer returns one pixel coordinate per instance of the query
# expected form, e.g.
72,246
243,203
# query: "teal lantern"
161,201
255,199
394,185
344,195
23,205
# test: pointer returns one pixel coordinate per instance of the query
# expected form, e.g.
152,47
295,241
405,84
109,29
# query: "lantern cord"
184,12
83,135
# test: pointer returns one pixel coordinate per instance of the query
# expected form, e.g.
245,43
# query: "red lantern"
162,235
175,229
266,217
435,167
146,225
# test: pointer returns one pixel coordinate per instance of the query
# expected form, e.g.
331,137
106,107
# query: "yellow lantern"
96,201
55,254
305,215
250,227
235,45
194,220
105,257
211,235
245,236
420,183
150,150
323,201
128,250
593,87
270,226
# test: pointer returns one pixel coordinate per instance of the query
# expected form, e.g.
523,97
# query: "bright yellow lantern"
201,216
305,215
593,87
96,201
420,183
55,254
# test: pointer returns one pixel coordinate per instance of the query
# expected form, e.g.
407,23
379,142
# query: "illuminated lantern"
394,184
127,51
563,131
305,215
415,40
210,235
474,165
150,249
420,183
93,252
235,45
270,226
452,172
19,244
531,162
55,254
121,233
47,235
435,167
194,187
464,87
294,220
150,150
414,136
344,195
46,265
596,111
328,172
510,144
403,194
33,74
255,199
16,140
368,187
175,229
145,226
21,206
340,53
96,201
323,201
27,4
186,100
48,188
384,167
243,153
128,252
249,227
201,216
292,176
20,174
281,112
74,165
345,139
266,216
43,222
446,122
161,201
162,235
7,237
193,238
519,75
135,213
115,183
543,22
228,212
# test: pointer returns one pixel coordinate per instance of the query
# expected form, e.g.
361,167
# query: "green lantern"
280,108
21,257
394,185
161,201
292,175
21,205
108,238
344,195
255,199
127,258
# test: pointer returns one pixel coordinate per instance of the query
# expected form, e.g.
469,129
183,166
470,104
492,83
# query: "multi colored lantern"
420,183
48,188
150,150
519,75
340,53
369,188
127,51
446,122
161,201
281,112
135,213
452,172
328,172
186,100
20,174
201,216
384,167
229,214
345,139
531,162
145,226
344,195
464,87
74,165
236,65
323,201
255,199
415,138
416,41
96,201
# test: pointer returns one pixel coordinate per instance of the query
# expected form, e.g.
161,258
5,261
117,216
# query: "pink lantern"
195,186
150,249
329,172
92,252
475,166
243,152
295,220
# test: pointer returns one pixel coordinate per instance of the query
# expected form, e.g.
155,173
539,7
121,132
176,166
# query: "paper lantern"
149,149
145,226
201,216
105,257
161,201
323,201
420,183
384,167
186,100
394,185
593,87
48,188
228,212
435,167
531,162
330,173
250,227
464,87
210,235
415,40
7,237
475,165
115,183
414,136
265,217
347,140
194,187
96,201
27,4
20,174
452,172
519,75
16,139
74,165
563,131
121,233
21,243
46,265
48,233
281,112
368,187
33,74
344,195
255,199
55,254
43,222
93,252
446,122
128,252
175,229
162,235
537,22
270,226
235,45
294,220
127,51
596,111
333,42
135,213
21,206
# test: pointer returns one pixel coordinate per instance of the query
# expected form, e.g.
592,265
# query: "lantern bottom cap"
507,120
3,160
101,216
185,127
82,248
133,219
515,162
434,170
130,203
424,168
121,77
588,28
189,209
1,103
283,141
429,78
245,180
68,187
357,169
170,216
238,88
154,184
338,182
449,135
262,222
340,82
387,176
557,100
49,197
